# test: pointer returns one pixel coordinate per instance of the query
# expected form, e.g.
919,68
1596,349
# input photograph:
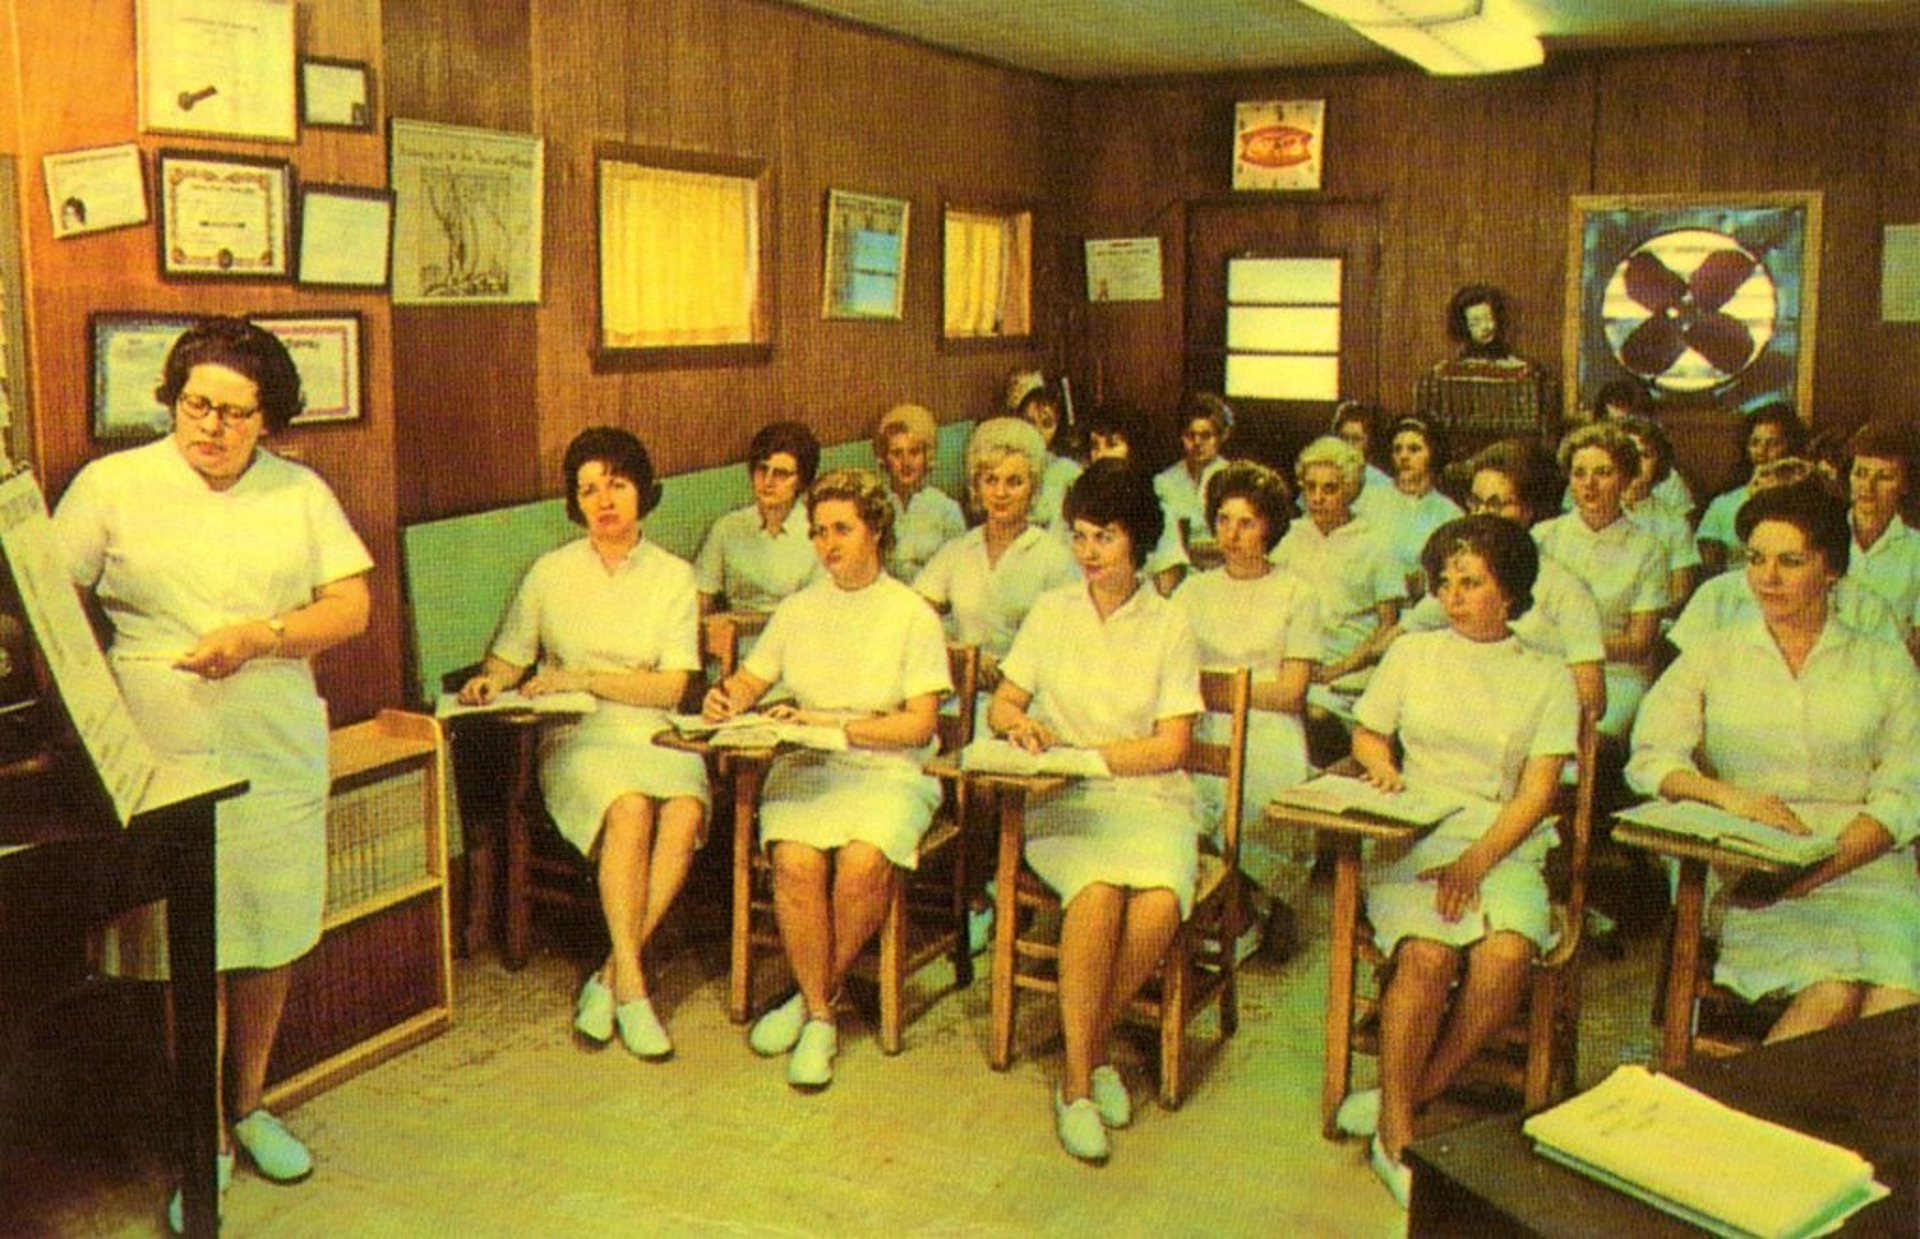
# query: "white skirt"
1513,894
585,766
1139,832
828,800
1863,926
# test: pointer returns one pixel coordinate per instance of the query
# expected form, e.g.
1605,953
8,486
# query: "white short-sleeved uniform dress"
1625,568
985,601
1716,524
1060,473
1673,533
1351,571
753,569
1410,521
921,526
572,611
1891,568
1183,499
170,560
1093,682
1257,623
861,650
1469,715
1845,731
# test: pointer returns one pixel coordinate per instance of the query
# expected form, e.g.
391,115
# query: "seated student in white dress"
1248,613
1111,432
1728,599
1108,665
1886,550
1485,720
925,518
1771,432
615,616
1039,406
754,556
1206,423
1363,427
1644,507
1792,719
1345,558
861,652
986,578
1517,479
1624,400
1623,565
1415,507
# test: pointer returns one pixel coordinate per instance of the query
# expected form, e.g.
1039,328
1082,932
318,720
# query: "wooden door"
1275,431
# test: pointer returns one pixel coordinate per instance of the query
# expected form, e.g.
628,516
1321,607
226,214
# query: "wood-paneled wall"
75,88
1473,179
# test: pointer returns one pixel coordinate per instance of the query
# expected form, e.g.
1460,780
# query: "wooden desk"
1689,911
745,769
520,734
1345,833
1854,1085
78,856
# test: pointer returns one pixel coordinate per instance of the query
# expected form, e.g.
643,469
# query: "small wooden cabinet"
381,979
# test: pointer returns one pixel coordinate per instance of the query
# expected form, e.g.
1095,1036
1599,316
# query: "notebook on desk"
1744,835
1338,793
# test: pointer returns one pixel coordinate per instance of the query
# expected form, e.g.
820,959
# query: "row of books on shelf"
375,843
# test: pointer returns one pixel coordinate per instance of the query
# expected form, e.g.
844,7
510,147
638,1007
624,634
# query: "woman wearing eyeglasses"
757,555
223,568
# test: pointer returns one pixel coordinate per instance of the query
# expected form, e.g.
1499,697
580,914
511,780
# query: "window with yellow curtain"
682,245
988,274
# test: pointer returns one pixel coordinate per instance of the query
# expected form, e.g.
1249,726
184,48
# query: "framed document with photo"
326,351
335,94
95,190
128,351
346,236
221,68
224,216
467,224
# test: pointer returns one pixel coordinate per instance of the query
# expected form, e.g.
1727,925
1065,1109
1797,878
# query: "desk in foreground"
1854,1086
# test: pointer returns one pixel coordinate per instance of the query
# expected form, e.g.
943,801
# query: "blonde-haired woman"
1344,558
925,517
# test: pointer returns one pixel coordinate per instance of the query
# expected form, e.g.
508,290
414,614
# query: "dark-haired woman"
613,615
1415,507
1107,665
223,568
1772,432
755,556
1791,718
1489,723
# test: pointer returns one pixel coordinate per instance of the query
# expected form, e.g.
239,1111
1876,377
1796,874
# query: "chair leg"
519,854
1006,912
1543,1018
1230,985
1336,1071
740,951
893,961
958,897
1173,1017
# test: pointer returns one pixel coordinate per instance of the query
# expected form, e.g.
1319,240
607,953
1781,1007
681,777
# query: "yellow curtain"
976,265
679,261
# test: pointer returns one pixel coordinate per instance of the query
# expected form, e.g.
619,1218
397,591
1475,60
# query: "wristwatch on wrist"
278,627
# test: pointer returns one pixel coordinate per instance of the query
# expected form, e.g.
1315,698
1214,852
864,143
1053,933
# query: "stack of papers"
1739,834
1337,793
512,702
997,756
1716,1167
754,730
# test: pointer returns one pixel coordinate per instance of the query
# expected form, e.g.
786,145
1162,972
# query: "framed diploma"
222,68
223,216
95,190
346,236
335,94
326,351
866,256
129,351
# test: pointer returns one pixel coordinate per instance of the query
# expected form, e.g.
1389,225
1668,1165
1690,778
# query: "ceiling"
1091,39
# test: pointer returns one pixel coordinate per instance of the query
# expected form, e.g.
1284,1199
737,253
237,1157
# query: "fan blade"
1653,346
1722,340
1719,277
1651,284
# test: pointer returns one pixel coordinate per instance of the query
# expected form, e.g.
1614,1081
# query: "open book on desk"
1703,1161
1339,793
996,756
513,702
1740,834
754,730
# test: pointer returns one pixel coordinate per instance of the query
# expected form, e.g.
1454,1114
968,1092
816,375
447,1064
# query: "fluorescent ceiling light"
1444,37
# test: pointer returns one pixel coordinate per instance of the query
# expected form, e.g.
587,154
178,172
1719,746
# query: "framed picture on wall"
1701,300
335,94
866,263
467,223
95,190
224,217
346,236
219,68
127,353
326,351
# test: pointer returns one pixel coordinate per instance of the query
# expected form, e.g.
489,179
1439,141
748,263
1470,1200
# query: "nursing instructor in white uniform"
222,569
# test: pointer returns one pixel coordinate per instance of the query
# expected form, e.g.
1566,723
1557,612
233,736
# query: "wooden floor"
506,1126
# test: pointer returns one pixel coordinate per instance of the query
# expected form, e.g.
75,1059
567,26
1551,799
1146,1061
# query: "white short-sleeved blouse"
753,569
986,601
921,526
1891,566
1351,571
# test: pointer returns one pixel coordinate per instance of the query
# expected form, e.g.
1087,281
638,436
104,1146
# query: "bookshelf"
380,981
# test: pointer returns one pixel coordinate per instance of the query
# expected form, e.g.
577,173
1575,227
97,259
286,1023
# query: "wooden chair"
926,908
1538,1051
1200,965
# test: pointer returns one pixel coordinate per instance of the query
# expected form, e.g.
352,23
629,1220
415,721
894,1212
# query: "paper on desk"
1337,793
1700,1159
513,702
995,756
1740,834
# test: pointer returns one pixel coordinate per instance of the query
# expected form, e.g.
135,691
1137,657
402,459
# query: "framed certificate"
326,351
866,256
222,68
95,190
335,94
128,353
223,216
346,236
